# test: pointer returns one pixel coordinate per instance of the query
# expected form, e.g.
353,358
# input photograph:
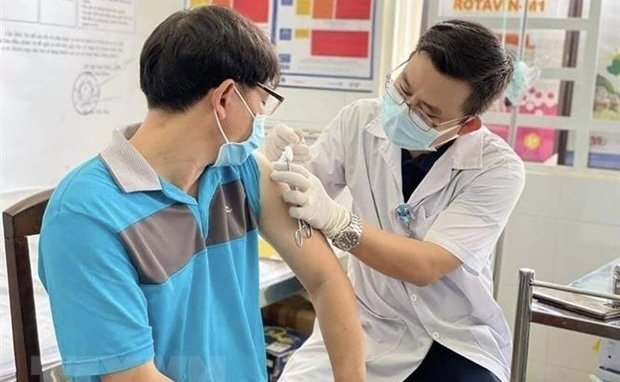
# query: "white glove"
309,200
281,136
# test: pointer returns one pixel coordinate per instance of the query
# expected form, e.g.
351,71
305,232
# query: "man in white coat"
432,191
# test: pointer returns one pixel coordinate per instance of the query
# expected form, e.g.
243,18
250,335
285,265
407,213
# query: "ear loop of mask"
219,124
245,103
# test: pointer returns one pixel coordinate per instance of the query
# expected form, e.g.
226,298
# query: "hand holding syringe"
304,230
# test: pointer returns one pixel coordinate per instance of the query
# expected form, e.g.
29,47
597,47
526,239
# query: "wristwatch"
350,236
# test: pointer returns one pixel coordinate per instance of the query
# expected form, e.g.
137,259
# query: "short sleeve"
250,176
99,311
471,225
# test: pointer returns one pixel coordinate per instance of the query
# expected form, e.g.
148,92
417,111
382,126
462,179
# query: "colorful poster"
259,11
327,44
321,44
607,94
605,147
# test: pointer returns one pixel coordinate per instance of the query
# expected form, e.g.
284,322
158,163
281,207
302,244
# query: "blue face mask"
235,153
407,130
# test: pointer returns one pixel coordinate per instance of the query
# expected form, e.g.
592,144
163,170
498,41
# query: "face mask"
235,153
406,132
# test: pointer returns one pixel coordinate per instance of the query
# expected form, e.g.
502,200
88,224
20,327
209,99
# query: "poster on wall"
69,77
605,147
327,43
604,150
321,44
607,93
259,11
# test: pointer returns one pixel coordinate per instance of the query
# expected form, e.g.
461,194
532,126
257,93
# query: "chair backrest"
21,220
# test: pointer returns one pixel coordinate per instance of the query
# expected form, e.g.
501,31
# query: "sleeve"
98,308
328,155
251,182
471,225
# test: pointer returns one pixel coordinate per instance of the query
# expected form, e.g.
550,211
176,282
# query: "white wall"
566,224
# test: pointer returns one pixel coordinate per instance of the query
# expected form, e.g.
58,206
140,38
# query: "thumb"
286,134
299,132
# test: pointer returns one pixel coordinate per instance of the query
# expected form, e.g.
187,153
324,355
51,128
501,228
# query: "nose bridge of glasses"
399,96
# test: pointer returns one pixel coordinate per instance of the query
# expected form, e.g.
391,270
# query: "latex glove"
281,136
309,199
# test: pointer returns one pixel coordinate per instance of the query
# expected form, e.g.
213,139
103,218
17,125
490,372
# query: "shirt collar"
466,152
425,161
128,167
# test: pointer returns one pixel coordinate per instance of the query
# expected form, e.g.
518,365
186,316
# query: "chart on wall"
69,77
321,44
259,11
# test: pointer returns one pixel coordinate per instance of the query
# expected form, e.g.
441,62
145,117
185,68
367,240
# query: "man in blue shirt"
149,251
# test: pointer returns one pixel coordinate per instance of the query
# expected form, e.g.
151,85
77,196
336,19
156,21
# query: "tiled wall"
566,224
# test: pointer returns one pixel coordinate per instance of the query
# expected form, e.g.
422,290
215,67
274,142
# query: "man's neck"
177,146
414,154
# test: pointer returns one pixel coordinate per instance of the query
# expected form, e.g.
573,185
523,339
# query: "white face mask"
235,153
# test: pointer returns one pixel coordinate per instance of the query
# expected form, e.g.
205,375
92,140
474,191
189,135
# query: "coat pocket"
382,334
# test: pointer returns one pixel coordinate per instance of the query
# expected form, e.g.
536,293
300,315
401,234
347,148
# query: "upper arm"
471,225
146,372
99,310
315,260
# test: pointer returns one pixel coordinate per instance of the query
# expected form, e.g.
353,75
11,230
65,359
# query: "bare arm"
147,372
319,271
462,234
415,261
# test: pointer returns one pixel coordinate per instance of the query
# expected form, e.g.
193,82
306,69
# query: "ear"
470,126
221,98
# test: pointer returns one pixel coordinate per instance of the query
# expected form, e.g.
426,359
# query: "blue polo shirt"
137,270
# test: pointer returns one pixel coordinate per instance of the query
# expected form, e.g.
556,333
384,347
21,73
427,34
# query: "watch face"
350,238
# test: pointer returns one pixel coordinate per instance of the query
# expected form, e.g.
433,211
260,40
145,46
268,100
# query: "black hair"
193,51
470,52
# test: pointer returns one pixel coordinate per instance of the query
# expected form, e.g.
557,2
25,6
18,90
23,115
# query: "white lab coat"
462,205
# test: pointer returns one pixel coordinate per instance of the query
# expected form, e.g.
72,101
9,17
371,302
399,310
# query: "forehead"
430,86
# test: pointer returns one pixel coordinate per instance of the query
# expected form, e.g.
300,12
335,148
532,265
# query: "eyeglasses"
274,100
396,93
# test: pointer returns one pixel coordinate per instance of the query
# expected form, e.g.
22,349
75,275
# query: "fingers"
286,135
296,198
300,134
281,136
293,179
296,212
301,153
293,167
281,142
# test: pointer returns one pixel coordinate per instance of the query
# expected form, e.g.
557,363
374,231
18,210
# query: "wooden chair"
20,221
